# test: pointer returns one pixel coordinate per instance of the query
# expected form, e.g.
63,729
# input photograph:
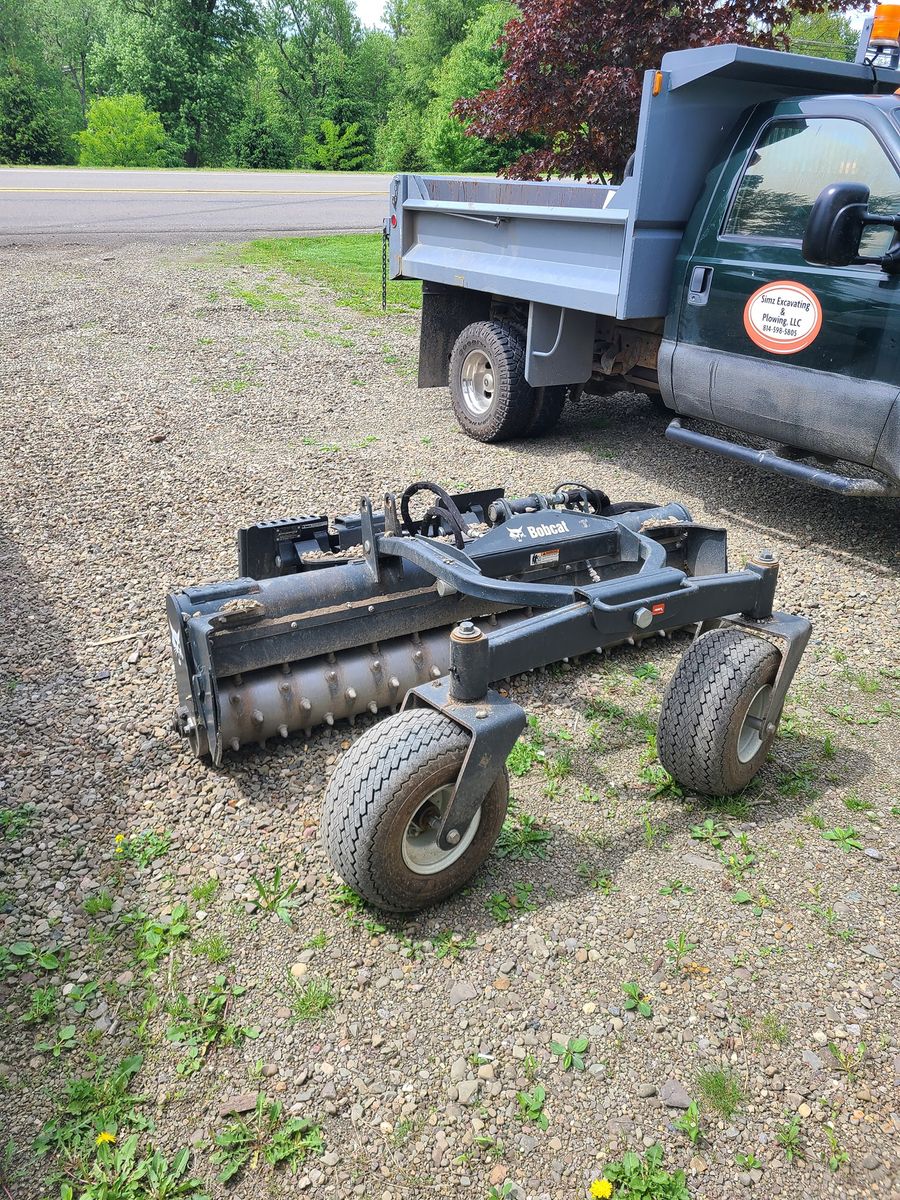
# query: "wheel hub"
477,383
420,850
753,728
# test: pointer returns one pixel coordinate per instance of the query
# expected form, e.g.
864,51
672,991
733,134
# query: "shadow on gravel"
629,431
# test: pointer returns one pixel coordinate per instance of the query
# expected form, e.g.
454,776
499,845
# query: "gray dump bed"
606,250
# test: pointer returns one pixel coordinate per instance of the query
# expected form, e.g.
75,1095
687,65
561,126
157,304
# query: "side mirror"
836,224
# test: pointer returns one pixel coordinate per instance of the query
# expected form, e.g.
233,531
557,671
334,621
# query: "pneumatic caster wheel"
384,804
712,737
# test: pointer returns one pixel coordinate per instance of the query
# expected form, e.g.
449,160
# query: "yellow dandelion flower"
105,1136
120,837
601,1189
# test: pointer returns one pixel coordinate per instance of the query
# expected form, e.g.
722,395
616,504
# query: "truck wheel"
491,396
547,409
710,735
383,805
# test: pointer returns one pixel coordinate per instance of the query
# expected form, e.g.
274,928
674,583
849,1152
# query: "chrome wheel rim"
753,729
477,383
421,852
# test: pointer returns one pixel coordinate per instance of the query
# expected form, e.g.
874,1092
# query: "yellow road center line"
187,191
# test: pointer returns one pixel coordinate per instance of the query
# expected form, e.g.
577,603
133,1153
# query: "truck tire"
709,737
380,800
491,396
546,409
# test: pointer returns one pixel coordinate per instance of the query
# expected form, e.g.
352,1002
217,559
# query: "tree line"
445,85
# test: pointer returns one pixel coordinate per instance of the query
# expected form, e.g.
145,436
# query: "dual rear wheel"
492,399
388,793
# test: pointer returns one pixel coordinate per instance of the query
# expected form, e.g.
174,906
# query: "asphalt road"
49,202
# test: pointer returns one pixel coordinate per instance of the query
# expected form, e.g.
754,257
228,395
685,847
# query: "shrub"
123,132
30,131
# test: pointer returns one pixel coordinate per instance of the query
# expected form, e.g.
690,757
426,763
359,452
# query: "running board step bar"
776,464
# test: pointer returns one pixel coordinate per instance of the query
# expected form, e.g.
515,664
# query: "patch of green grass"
43,1005
205,891
528,750
348,264
720,1091
261,297
214,947
312,1000
102,902
523,838
15,821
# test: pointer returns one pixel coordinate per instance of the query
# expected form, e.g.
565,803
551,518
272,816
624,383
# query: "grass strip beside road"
349,264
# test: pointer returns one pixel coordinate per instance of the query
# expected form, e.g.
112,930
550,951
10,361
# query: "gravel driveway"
146,411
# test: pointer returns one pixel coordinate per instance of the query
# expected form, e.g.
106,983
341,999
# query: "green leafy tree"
472,65
259,141
190,59
123,132
825,34
70,31
31,130
434,28
335,149
398,143
312,41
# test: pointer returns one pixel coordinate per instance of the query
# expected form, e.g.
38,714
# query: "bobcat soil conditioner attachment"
381,610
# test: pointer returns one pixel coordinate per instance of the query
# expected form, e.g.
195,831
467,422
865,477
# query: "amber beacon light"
885,27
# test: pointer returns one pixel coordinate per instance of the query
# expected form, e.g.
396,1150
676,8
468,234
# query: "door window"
791,163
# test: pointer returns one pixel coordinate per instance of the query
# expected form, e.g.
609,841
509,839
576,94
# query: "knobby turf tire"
546,410
511,409
703,710
377,787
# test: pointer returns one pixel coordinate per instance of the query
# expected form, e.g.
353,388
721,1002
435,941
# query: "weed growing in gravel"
503,906
689,1123
64,1041
102,902
848,1061
600,880
758,903
531,1106
344,897
711,833
90,1105
263,1134
798,782
312,1000
214,947
25,956
832,922
747,1160
571,1053
43,1005
530,1067
637,1001
772,1030
850,716
501,1191
678,948
15,821
275,897
635,1178
206,891
789,1137
720,1091
143,848
156,937
834,1157
676,887
522,838
845,837
528,750
450,945
318,941
121,1172
200,1023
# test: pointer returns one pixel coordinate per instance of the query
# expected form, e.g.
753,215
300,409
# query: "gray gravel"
145,413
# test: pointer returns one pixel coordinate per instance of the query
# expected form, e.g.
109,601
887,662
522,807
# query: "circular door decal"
783,317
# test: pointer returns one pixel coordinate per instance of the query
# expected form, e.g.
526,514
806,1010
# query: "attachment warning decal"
783,317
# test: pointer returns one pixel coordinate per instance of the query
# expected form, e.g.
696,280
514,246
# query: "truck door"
767,343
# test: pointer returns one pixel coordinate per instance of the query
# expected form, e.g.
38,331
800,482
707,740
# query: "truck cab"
757,337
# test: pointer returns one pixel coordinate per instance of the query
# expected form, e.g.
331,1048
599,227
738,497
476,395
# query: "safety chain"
385,243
